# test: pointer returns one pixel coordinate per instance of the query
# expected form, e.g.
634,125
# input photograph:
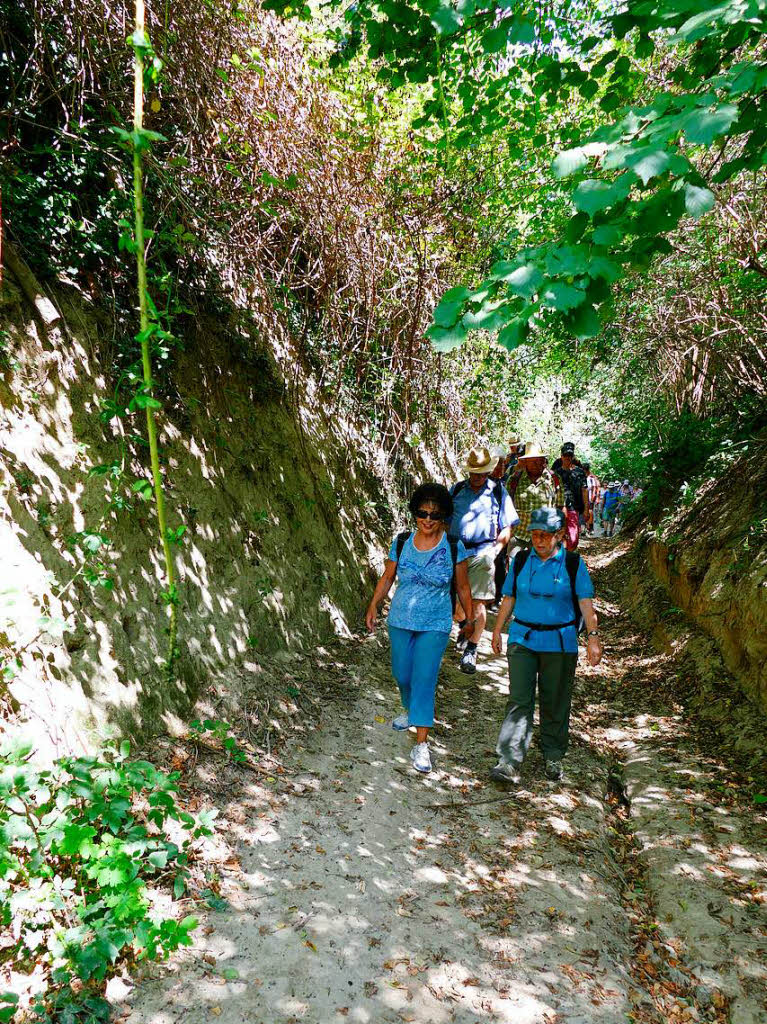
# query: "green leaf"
585,322
143,488
489,317
698,201
76,840
566,261
607,234
141,400
593,195
699,25
760,798
604,268
495,39
649,163
448,312
521,32
569,161
563,297
446,339
524,280
576,226
446,20
514,334
703,126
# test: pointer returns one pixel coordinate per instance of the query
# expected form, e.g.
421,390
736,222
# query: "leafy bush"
79,844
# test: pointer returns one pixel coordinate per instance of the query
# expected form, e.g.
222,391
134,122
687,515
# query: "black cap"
568,448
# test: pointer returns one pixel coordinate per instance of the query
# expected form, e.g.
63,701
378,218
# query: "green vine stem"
146,333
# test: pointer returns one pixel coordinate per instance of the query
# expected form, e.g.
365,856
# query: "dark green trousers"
553,673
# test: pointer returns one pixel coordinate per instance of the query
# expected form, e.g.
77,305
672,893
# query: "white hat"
479,460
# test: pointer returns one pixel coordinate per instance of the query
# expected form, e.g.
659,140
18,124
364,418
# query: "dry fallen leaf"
209,958
380,718
319,849
311,945
216,1011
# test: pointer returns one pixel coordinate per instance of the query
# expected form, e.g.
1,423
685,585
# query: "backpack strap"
457,488
572,562
401,540
517,566
453,542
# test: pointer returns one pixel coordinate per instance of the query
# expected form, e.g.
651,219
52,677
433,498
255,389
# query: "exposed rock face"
286,509
712,559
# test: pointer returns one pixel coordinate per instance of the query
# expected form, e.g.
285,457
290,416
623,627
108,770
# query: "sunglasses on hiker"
436,517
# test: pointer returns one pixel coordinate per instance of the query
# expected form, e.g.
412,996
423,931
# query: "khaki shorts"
481,568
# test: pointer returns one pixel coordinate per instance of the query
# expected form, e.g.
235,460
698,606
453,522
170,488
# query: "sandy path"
379,895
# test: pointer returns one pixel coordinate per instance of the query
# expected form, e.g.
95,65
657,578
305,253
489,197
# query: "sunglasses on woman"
435,517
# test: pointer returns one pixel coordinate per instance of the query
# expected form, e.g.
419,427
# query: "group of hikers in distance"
504,539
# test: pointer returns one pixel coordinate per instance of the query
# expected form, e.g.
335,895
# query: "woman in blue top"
542,647
421,613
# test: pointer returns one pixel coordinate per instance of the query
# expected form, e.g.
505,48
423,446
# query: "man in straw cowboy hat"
483,519
535,487
516,447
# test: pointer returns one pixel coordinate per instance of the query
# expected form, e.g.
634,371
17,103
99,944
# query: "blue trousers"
415,661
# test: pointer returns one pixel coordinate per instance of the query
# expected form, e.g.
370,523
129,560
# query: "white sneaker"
421,757
401,722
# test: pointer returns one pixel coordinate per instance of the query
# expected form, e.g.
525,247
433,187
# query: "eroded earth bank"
342,886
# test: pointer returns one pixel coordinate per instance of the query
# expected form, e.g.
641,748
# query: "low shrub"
81,843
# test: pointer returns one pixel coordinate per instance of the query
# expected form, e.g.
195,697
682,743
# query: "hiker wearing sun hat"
501,559
516,447
483,519
535,487
548,591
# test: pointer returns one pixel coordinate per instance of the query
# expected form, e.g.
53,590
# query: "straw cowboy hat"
479,460
533,451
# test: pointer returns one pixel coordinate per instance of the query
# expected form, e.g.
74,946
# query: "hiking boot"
506,771
553,770
469,660
401,722
421,757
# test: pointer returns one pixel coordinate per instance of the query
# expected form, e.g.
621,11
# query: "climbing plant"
147,62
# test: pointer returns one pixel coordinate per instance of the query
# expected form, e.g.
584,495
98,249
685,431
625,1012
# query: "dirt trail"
355,889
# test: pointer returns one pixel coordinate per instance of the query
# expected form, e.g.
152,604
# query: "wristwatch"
593,632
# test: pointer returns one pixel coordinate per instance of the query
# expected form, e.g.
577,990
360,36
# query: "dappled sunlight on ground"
358,890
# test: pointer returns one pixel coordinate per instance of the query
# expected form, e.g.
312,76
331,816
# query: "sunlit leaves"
446,339
594,195
704,125
523,280
445,19
698,201
561,297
